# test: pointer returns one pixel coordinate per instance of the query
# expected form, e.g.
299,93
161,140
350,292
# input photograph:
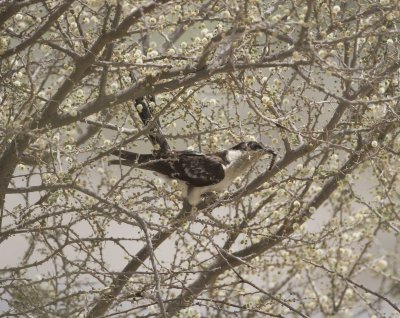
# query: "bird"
196,173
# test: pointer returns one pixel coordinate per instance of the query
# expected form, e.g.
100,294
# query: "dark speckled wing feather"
194,168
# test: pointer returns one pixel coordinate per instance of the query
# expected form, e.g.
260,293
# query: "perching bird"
198,173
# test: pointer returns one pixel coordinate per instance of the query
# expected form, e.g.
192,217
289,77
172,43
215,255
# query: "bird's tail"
128,158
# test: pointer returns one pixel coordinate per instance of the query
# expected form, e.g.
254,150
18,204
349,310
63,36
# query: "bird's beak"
268,150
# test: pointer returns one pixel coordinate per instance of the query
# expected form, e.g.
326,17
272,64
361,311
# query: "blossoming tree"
318,234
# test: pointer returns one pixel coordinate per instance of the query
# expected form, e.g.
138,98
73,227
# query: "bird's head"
253,148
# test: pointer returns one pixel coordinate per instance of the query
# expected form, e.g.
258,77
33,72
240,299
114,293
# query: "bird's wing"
194,168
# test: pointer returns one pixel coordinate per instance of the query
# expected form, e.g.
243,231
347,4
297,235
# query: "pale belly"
193,195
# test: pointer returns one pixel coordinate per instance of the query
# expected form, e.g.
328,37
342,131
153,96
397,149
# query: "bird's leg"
186,205
193,195
188,211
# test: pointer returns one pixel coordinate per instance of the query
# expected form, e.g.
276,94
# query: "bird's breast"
232,171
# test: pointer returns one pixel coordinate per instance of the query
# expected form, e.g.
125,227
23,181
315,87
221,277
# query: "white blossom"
336,9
